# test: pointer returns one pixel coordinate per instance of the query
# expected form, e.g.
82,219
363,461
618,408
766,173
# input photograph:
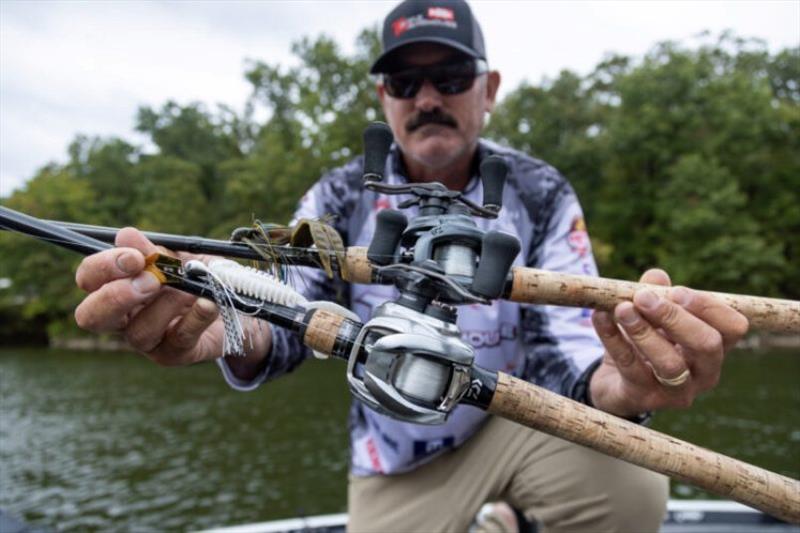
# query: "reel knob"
493,176
378,139
497,253
389,228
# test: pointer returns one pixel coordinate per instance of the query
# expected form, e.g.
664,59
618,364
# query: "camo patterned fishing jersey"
546,345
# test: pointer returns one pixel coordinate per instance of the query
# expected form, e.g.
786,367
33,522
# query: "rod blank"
43,230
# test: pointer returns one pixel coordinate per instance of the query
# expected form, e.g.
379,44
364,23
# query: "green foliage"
42,282
711,234
558,122
191,134
107,166
169,196
688,159
318,112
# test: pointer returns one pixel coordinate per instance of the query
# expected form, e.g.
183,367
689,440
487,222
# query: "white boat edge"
290,524
686,509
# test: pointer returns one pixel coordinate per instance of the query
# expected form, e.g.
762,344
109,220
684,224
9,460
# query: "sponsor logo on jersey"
491,337
374,458
586,317
382,203
390,442
578,238
428,447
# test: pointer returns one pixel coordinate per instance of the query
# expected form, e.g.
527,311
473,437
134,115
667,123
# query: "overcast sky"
85,67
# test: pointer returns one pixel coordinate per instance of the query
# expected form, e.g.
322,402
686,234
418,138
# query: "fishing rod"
523,284
413,366
171,273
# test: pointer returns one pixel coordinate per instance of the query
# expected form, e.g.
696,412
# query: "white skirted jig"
255,283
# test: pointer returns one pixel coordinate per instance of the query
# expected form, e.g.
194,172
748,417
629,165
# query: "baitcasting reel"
455,261
409,365
409,361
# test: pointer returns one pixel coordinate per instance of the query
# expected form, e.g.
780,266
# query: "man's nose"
428,98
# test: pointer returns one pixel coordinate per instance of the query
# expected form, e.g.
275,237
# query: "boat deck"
683,516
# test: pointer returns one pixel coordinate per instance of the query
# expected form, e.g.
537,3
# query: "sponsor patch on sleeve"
578,237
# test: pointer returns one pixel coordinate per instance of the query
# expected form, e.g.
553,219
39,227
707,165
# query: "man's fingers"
187,332
146,329
133,238
107,308
667,362
125,261
731,324
681,326
98,269
656,276
628,362
613,341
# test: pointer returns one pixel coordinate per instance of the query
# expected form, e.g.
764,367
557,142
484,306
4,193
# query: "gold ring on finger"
677,381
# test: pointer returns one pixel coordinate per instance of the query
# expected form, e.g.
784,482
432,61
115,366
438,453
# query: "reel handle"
494,170
497,253
389,228
378,140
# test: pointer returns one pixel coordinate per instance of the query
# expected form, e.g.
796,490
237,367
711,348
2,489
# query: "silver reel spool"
409,365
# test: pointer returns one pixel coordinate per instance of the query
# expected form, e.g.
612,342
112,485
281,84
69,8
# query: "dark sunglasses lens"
454,85
455,78
448,79
402,86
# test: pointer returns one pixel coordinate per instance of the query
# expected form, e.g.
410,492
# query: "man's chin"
435,153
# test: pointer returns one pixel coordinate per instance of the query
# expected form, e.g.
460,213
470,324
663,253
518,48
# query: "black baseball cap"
447,22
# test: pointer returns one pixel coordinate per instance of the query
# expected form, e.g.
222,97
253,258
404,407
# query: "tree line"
687,158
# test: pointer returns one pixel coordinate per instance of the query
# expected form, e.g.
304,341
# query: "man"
435,88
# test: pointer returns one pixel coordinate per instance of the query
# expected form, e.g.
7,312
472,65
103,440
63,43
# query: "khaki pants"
563,486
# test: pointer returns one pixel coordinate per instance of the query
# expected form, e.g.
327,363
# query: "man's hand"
662,352
169,326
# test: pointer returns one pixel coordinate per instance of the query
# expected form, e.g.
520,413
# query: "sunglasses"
449,79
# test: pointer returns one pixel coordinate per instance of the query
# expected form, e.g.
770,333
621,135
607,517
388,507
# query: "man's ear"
492,84
381,90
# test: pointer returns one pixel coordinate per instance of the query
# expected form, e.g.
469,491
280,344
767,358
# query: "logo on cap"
400,26
441,13
434,16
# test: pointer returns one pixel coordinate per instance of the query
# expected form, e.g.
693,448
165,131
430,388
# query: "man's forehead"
422,54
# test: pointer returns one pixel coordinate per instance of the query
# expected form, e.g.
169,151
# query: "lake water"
109,441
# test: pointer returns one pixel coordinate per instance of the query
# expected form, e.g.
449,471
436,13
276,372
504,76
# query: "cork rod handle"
540,409
531,285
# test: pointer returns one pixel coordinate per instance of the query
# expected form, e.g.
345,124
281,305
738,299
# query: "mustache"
437,116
